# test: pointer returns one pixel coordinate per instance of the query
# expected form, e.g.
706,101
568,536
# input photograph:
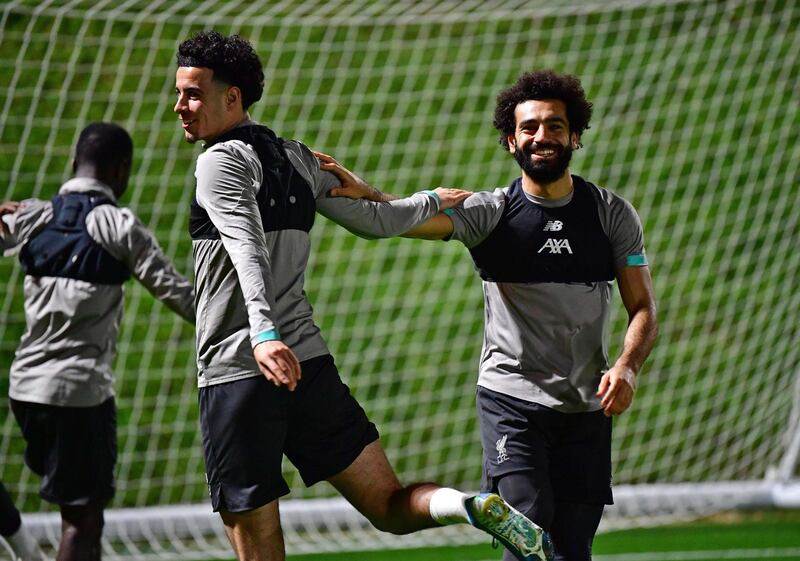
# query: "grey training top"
65,355
546,342
250,282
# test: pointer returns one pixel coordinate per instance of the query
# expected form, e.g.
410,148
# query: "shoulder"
228,155
301,157
306,163
30,215
108,223
610,203
495,199
33,207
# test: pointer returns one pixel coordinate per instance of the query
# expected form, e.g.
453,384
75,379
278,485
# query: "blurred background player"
268,384
77,250
14,532
547,249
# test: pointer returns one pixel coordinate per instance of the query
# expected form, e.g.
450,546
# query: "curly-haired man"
547,248
268,384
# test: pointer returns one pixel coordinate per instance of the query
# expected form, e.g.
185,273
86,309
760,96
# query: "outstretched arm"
618,384
124,236
352,186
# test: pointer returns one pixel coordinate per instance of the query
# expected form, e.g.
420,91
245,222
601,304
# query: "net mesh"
695,123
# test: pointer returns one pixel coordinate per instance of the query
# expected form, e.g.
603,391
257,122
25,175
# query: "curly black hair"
543,84
233,60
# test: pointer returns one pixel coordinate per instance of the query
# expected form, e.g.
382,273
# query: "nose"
180,105
541,134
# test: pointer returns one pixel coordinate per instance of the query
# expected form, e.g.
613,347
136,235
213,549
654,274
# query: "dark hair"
544,84
104,145
233,60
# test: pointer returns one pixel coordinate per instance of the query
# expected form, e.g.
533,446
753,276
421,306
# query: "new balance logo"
553,226
555,246
502,456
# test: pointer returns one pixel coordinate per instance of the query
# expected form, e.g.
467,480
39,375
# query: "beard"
544,172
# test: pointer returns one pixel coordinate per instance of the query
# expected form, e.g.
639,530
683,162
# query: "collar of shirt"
87,185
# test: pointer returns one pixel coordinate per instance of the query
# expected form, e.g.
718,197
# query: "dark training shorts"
569,452
248,425
73,449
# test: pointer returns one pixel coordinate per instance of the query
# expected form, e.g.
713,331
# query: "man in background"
77,250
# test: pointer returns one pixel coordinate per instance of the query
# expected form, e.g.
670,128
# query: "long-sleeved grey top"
65,355
250,282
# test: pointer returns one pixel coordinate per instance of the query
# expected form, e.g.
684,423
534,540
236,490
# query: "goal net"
696,114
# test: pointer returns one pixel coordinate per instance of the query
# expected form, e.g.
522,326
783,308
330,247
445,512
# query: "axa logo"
555,246
553,226
500,445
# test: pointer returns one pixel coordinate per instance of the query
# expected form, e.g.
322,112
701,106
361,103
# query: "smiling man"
547,248
268,384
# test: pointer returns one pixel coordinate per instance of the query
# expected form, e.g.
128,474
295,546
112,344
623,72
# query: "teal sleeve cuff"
448,211
433,195
636,260
271,335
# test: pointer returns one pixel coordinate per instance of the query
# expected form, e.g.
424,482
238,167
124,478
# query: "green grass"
744,536
748,536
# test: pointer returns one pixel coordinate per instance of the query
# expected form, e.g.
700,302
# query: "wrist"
264,336
435,196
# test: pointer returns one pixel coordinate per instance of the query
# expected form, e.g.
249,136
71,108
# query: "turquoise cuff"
449,211
435,196
636,260
271,335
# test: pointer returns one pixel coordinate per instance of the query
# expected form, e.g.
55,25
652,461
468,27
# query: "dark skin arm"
618,384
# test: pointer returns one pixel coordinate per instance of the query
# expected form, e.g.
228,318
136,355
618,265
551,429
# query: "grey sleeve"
31,216
228,178
366,219
122,234
372,220
476,217
623,227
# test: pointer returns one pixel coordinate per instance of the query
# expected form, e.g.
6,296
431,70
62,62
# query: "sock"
24,545
447,506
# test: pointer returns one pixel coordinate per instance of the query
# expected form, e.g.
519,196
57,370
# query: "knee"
573,530
533,499
386,522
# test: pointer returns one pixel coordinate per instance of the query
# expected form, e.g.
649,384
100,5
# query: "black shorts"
571,452
73,449
249,424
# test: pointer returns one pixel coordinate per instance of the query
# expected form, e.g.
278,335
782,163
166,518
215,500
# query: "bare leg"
81,530
370,485
256,534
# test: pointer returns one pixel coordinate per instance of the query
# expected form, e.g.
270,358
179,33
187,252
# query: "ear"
232,95
575,140
511,142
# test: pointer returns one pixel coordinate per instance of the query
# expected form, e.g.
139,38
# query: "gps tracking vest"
64,248
533,243
284,199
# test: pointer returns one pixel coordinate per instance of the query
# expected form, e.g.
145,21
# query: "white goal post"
695,122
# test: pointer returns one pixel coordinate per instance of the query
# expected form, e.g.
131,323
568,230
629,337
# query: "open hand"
352,186
278,363
448,198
